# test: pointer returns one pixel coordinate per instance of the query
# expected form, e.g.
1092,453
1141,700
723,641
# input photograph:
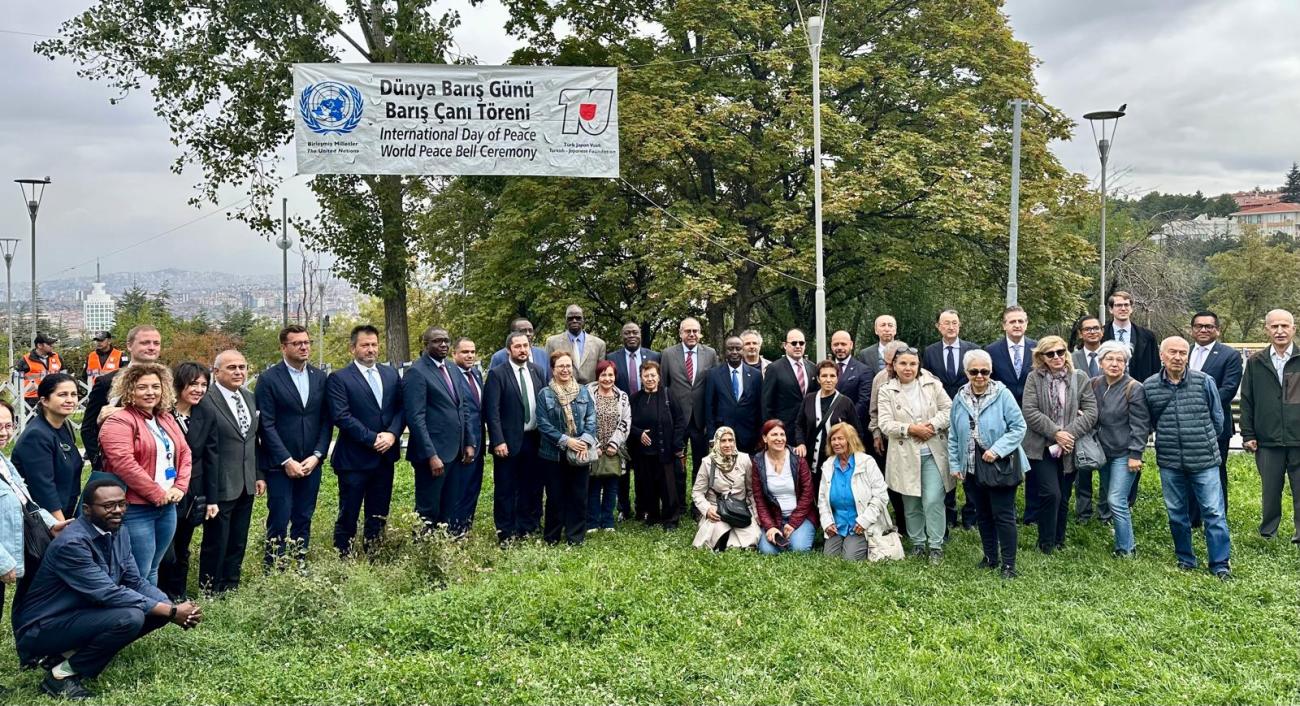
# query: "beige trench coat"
903,462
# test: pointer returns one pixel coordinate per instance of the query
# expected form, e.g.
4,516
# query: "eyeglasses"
1204,327
6,427
978,373
108,507
1090,329
1058,353
299,344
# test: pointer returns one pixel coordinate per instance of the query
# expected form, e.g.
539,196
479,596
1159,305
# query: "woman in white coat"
724,471
913,414
852,499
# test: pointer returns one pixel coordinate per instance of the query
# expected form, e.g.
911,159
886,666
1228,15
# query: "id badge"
170,473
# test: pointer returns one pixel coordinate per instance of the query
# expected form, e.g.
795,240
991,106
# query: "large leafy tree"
1251,279
716,127
218,72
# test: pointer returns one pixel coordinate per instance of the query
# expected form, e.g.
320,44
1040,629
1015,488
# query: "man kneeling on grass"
88,600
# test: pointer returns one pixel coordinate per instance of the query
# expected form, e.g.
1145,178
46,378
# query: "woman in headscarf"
724,473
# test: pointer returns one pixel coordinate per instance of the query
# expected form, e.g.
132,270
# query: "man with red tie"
685,368
787,380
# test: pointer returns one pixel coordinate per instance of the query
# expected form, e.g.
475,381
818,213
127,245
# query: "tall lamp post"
284,243
33,192
320,288
1104,142
8,246
819,296
1013,254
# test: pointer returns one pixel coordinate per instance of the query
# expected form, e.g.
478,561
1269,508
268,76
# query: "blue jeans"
150,529
602,496
1181,489
1119,493
800,540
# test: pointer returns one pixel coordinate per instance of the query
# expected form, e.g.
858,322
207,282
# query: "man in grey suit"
1087,360
586,349
685,369
1085,356
235,480
886,331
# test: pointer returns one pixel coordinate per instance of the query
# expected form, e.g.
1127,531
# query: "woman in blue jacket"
46,453
14,498
566,418
986,420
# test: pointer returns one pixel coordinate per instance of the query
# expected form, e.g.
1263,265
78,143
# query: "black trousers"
97,635
657,499
995,514
174,571
517,491
225,538
1054,486
372,489
566,501
429,494
967,515
625,493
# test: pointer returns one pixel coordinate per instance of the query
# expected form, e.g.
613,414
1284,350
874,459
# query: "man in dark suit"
466,357
733,397
510,410
1085,356
944,359
886,328
788,379
540,357
365,402
855,379
1223,363
144,344
441,447
294,428
1086,359
1013,356
1145,360
627,377
684,370
235,480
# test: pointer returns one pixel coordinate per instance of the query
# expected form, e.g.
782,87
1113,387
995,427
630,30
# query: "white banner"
438,119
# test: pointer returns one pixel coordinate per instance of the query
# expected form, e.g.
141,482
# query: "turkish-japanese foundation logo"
331,108
586,110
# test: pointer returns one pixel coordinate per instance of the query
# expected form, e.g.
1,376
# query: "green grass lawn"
639,617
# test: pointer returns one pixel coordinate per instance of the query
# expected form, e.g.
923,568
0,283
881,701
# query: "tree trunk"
392,218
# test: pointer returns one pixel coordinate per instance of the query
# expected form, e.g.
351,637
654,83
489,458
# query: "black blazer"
286,428
201,436
781,393
659,414
1004,372
360,419
50,464
805,427
855,383
619,359
1145,361
97,400
933,359
722,409
1224,365
503,407
235,469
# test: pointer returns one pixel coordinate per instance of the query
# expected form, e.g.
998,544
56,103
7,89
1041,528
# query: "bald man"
1270,420
886,329
855,379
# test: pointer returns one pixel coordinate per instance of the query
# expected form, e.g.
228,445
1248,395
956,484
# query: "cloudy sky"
1212,89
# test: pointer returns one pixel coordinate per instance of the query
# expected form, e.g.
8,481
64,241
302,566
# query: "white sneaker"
609,529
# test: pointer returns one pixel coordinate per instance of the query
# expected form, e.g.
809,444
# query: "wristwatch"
172,614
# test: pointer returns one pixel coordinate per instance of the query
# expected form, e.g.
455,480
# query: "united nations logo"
330,107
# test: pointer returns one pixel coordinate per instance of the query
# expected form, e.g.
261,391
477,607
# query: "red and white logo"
586,110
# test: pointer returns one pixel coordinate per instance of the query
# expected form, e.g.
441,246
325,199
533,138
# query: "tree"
1291,189
1252,279
218,72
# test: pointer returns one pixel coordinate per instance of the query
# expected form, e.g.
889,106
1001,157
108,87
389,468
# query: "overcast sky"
1212,89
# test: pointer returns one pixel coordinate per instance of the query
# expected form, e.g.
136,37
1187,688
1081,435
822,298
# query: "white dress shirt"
1200,354
301,380
234,400
365,373
528,392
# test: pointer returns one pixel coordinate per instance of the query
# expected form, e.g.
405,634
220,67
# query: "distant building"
1271,218
98,310
1203,227
1253,198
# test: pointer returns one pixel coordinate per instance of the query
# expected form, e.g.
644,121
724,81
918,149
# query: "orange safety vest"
97,365
36,371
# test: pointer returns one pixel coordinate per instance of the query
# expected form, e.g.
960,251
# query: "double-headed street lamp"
8,246
1103,150
33,192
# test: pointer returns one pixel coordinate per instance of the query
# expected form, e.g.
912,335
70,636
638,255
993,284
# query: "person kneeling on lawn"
88,600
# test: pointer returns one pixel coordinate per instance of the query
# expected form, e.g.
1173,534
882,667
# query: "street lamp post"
320,288
33,192
284,244
9,246
819,296
1104,143
1013,254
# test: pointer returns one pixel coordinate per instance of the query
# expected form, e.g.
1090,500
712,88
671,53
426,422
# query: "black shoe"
1008,573
1295,539
1223,575
1046,549
936,557
968,526
986,563
1121,554
1186,567
670,526
916,552
69,688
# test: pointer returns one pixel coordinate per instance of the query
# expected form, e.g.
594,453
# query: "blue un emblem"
330,107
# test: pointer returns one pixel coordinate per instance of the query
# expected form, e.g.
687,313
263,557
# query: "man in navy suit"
787,380
295,436
855,378
1145,360
441,447
627,377
1013,356
539,356
465,354
365,401
510,410
943,359
1223,363
733,397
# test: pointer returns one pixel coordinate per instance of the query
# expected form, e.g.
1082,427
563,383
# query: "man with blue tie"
1086,358
540,357
586,349
943,359
365,401
510,410
1012,358
442,445
733,397
295,436
465,354
1223,363
627,377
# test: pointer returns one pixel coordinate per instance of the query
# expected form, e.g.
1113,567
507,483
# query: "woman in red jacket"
784,496
144,446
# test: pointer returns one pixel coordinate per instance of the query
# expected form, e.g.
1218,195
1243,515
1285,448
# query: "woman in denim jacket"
566,419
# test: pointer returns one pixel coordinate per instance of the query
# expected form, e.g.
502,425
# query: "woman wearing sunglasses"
986,421
1059,407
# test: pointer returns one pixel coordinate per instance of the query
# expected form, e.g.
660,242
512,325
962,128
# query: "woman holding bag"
1059,408
821,410
566,419
724,473
613,419
15,504
853,502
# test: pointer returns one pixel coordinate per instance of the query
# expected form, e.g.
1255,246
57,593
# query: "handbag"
887,545
733,510
1088,454
36,534
193,509
607,466
1002,473
586,458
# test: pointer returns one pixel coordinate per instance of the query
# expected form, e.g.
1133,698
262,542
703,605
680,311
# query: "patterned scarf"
722,463
565,394
1057,382
975,403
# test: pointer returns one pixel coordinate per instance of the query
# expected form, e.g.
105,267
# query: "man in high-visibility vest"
36,364
104,359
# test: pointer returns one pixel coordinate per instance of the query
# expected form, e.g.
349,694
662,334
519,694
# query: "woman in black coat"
46,453
818,412
657,442
191,380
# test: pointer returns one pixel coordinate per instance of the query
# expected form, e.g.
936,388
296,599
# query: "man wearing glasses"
684,369
1087,359
1223,363
787,381
1145,361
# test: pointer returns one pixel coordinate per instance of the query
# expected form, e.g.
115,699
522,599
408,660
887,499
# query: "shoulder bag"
733,510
